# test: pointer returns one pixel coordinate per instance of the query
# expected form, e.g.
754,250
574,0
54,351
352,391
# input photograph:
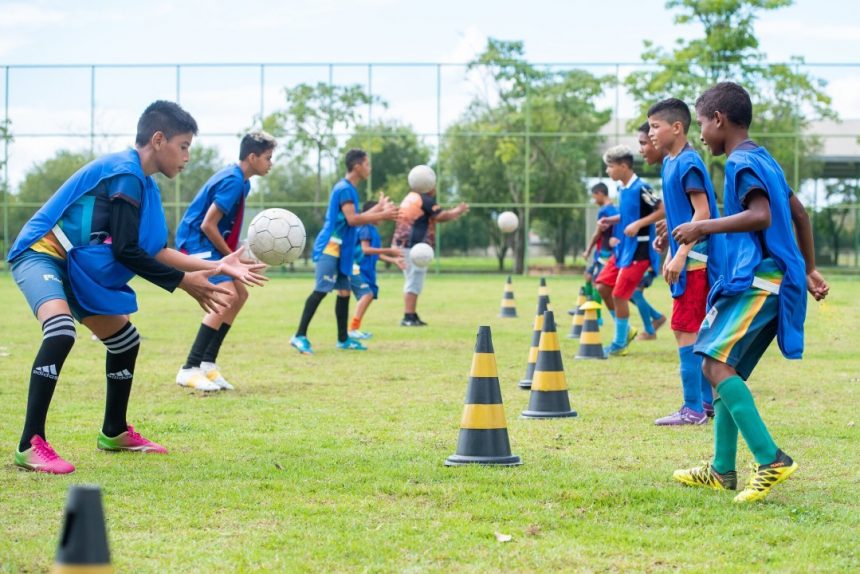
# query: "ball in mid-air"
508,221
276,236
421,254
422,178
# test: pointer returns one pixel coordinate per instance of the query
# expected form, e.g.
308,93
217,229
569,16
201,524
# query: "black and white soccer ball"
276,236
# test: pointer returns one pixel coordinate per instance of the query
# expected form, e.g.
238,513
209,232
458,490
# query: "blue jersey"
98,280
226,190
681,174
337,238
745,251
368,262
605,250
630,200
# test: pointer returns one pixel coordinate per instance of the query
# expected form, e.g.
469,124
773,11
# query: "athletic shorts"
688,310
413,275
738,329
361,286
625,280
210,256
41,278
328,276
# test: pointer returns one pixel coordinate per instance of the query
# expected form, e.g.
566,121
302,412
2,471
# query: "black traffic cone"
542,307
549,398
83,547
483,429
590,345
509,305
578,316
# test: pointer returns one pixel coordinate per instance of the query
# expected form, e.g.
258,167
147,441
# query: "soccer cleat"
709,409
129,440
614,350
631,334
214,374
657,323
351,345
684,416
706,476
356,334
41,457
766,476
195,378
302,345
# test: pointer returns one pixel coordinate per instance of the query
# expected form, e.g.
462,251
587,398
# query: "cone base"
573,335
508,316
525,384
82,569
599,357
547,415
460,460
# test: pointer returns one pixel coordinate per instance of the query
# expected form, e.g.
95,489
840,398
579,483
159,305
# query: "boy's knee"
60,329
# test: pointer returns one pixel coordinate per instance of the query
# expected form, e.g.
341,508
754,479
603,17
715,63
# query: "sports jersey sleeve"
227,193
125,186
747,181
693,181
364,233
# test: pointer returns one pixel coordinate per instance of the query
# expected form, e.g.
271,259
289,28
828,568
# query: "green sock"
725,438
739,401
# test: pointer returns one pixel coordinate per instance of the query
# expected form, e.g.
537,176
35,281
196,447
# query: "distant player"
210,229
363,280
600,240
639,208
688,269
419,214
770,266
334,250
75,257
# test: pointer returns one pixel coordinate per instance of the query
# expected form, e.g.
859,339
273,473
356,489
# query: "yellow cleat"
706,476
766,476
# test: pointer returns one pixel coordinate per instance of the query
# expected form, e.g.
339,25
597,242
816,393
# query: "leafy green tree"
832,224
785,99
6,198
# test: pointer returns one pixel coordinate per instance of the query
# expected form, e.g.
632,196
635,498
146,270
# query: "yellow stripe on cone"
549,396
590,344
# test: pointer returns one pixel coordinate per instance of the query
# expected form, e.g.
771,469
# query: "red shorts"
688,310
623,281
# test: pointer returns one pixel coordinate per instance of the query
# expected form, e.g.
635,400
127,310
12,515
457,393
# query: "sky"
225,100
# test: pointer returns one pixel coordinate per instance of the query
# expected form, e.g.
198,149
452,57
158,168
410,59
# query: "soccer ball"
421,255
276,236
422,179
508,221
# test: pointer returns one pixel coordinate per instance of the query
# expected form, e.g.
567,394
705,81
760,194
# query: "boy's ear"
157,139
719,119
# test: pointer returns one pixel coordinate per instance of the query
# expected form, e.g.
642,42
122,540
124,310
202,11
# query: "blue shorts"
738,329
328,276
210,256
41,278
361,286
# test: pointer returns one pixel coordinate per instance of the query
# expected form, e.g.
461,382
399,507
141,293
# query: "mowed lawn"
334,463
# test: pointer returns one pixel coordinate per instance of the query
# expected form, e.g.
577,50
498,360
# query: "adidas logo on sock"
122,375
49,371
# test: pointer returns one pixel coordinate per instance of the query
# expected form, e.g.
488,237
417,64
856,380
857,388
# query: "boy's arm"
209,227
659,213
815,283
398,261
380,212
595,239
453,213
701,211
755,217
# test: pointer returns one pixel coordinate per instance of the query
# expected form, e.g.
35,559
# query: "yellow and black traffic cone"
578,316
542,307
549,398
83,547
509,305
590,345
483,429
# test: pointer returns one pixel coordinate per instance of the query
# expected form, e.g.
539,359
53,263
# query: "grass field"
334,463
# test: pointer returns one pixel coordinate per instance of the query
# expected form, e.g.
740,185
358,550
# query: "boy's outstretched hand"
196,284
816,285
245,270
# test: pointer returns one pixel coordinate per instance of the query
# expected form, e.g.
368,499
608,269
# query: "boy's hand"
672,269
235,266
816,285
631,230
462,208
196,284
659,243
601,224
661,227
400,262
688,233
586,253
613,241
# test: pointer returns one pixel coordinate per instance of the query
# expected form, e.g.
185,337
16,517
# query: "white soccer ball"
421,255
276,236
508,221
422,179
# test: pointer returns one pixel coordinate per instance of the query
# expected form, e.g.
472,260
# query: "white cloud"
795,30
19,15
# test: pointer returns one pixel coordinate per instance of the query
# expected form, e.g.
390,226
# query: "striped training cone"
549,398
542,307
590,345
83,547
542,288
509,306
578,316
483,430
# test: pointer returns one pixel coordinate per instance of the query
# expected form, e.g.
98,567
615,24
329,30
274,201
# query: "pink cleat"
41,457
129,440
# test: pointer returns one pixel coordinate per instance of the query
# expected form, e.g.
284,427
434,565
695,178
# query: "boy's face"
615,171
647,150
363,169
261,164
171,155
711,134
598,198
662,134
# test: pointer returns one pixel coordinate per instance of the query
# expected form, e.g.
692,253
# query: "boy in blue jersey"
600,241
74,258
639,208
363,281
770,264
688,269
334,250
210,229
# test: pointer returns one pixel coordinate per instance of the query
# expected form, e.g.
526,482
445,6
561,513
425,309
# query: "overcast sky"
39,32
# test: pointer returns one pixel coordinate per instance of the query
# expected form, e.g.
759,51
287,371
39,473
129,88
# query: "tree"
785,100
5,197
832,222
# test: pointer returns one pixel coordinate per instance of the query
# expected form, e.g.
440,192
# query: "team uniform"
603,251
334,248
363,280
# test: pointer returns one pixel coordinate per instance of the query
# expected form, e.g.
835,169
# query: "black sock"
122,348
341,313
211,352
204,336
58,337
411,316
313,301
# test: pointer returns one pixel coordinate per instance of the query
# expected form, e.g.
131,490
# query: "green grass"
334,463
